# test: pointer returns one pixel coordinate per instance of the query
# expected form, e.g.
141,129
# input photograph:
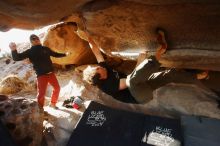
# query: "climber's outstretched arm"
96,50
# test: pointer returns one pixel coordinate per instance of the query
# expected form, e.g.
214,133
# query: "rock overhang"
129,25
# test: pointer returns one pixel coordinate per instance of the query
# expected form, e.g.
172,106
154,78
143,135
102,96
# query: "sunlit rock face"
62,38
16,76
59,125
128,26
11,85
23,119
192,29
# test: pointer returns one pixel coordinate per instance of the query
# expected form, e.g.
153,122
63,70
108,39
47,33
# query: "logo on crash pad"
96,118
160,136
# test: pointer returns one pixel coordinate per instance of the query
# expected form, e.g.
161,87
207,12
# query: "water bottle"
77,102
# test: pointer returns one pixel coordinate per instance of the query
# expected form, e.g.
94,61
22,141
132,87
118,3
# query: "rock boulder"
23,119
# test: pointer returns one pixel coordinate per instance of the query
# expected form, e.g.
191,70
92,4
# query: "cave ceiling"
192,27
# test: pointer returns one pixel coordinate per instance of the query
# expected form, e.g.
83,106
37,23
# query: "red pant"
42,82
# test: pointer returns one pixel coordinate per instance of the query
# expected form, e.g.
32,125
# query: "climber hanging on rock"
146,77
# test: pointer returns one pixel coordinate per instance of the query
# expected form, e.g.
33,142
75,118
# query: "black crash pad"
200,131
104,126
6,139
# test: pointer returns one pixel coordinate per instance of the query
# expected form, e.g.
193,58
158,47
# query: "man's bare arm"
96,50
122,84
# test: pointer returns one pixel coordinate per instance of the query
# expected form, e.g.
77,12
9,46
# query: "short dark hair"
33,36
96,79
91,76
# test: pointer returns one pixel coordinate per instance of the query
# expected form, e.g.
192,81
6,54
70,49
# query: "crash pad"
104,126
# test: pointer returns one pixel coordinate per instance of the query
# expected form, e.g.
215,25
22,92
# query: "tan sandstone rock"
23,119
62,38
128,26
11,85
190,27
16,76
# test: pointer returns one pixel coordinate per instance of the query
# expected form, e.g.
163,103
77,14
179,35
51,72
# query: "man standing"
39,56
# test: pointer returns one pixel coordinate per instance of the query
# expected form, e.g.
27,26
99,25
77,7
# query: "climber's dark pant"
149,76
